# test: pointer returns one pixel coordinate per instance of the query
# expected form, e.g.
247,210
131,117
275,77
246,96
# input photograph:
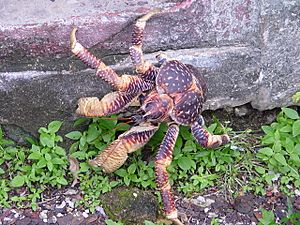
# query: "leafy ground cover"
264,163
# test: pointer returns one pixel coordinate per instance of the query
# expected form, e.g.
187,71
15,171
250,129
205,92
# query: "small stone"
43,215
100,210
45,220
61,205
85,215
297,192
59,215
91,219
52,219
71,192
212,215
70,202
206,210
135,195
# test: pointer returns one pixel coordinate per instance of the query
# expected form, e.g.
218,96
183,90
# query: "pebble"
52,219
100,210
70,202
297,192
43,215
71,192
212,215
61,205
85,215
59,215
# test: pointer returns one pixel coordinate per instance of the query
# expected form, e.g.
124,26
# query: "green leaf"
1,171
18,181
35,155
92,133
74,135
186,163
131,169
121,172
260,170
267,129
212,127
59,151
58,161
42,163
280,158
296,128
54,126
62,181
47,140
81,120
111,222
50,166
266,151
291,113
47,156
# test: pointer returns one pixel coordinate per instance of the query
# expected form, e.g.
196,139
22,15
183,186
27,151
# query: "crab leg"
163,160
144,68
114,156
205,138
125,83
110,104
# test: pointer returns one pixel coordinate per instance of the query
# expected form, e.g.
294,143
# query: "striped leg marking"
126,83
110,104
206,139
136,52
163,160
114,156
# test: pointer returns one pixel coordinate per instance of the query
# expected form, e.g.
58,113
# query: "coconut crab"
173,93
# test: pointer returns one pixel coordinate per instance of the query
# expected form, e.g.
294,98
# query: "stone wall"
249,51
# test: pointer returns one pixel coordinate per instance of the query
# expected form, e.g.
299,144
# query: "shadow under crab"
173,93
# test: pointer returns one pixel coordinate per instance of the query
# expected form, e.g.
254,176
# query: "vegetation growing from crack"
248,163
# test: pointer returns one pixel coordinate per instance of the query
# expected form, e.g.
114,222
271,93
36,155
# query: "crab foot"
114,156
163,160
206,139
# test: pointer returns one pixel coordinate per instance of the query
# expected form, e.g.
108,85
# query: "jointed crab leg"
207,139
163,160
144,68
114,156
110,104
125,83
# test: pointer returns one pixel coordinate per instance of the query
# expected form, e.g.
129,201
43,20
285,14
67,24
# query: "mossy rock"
130,205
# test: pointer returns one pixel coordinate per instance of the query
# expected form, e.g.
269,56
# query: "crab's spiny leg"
126,83
205,138
143,67
114,156
163,160
110,104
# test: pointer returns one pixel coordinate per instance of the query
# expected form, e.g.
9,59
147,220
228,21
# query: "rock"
43,215
247,50
121,205
69,220
244,204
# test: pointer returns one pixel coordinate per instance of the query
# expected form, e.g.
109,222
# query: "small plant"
282,150
44,164
268,218
296,97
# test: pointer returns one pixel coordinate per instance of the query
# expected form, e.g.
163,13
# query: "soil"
198,209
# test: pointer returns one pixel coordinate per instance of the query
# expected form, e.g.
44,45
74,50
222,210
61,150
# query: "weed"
282,150
43,165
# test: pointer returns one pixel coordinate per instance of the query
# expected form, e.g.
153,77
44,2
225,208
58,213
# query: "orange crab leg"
125,83
145,69
205,138
163,160
114,156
